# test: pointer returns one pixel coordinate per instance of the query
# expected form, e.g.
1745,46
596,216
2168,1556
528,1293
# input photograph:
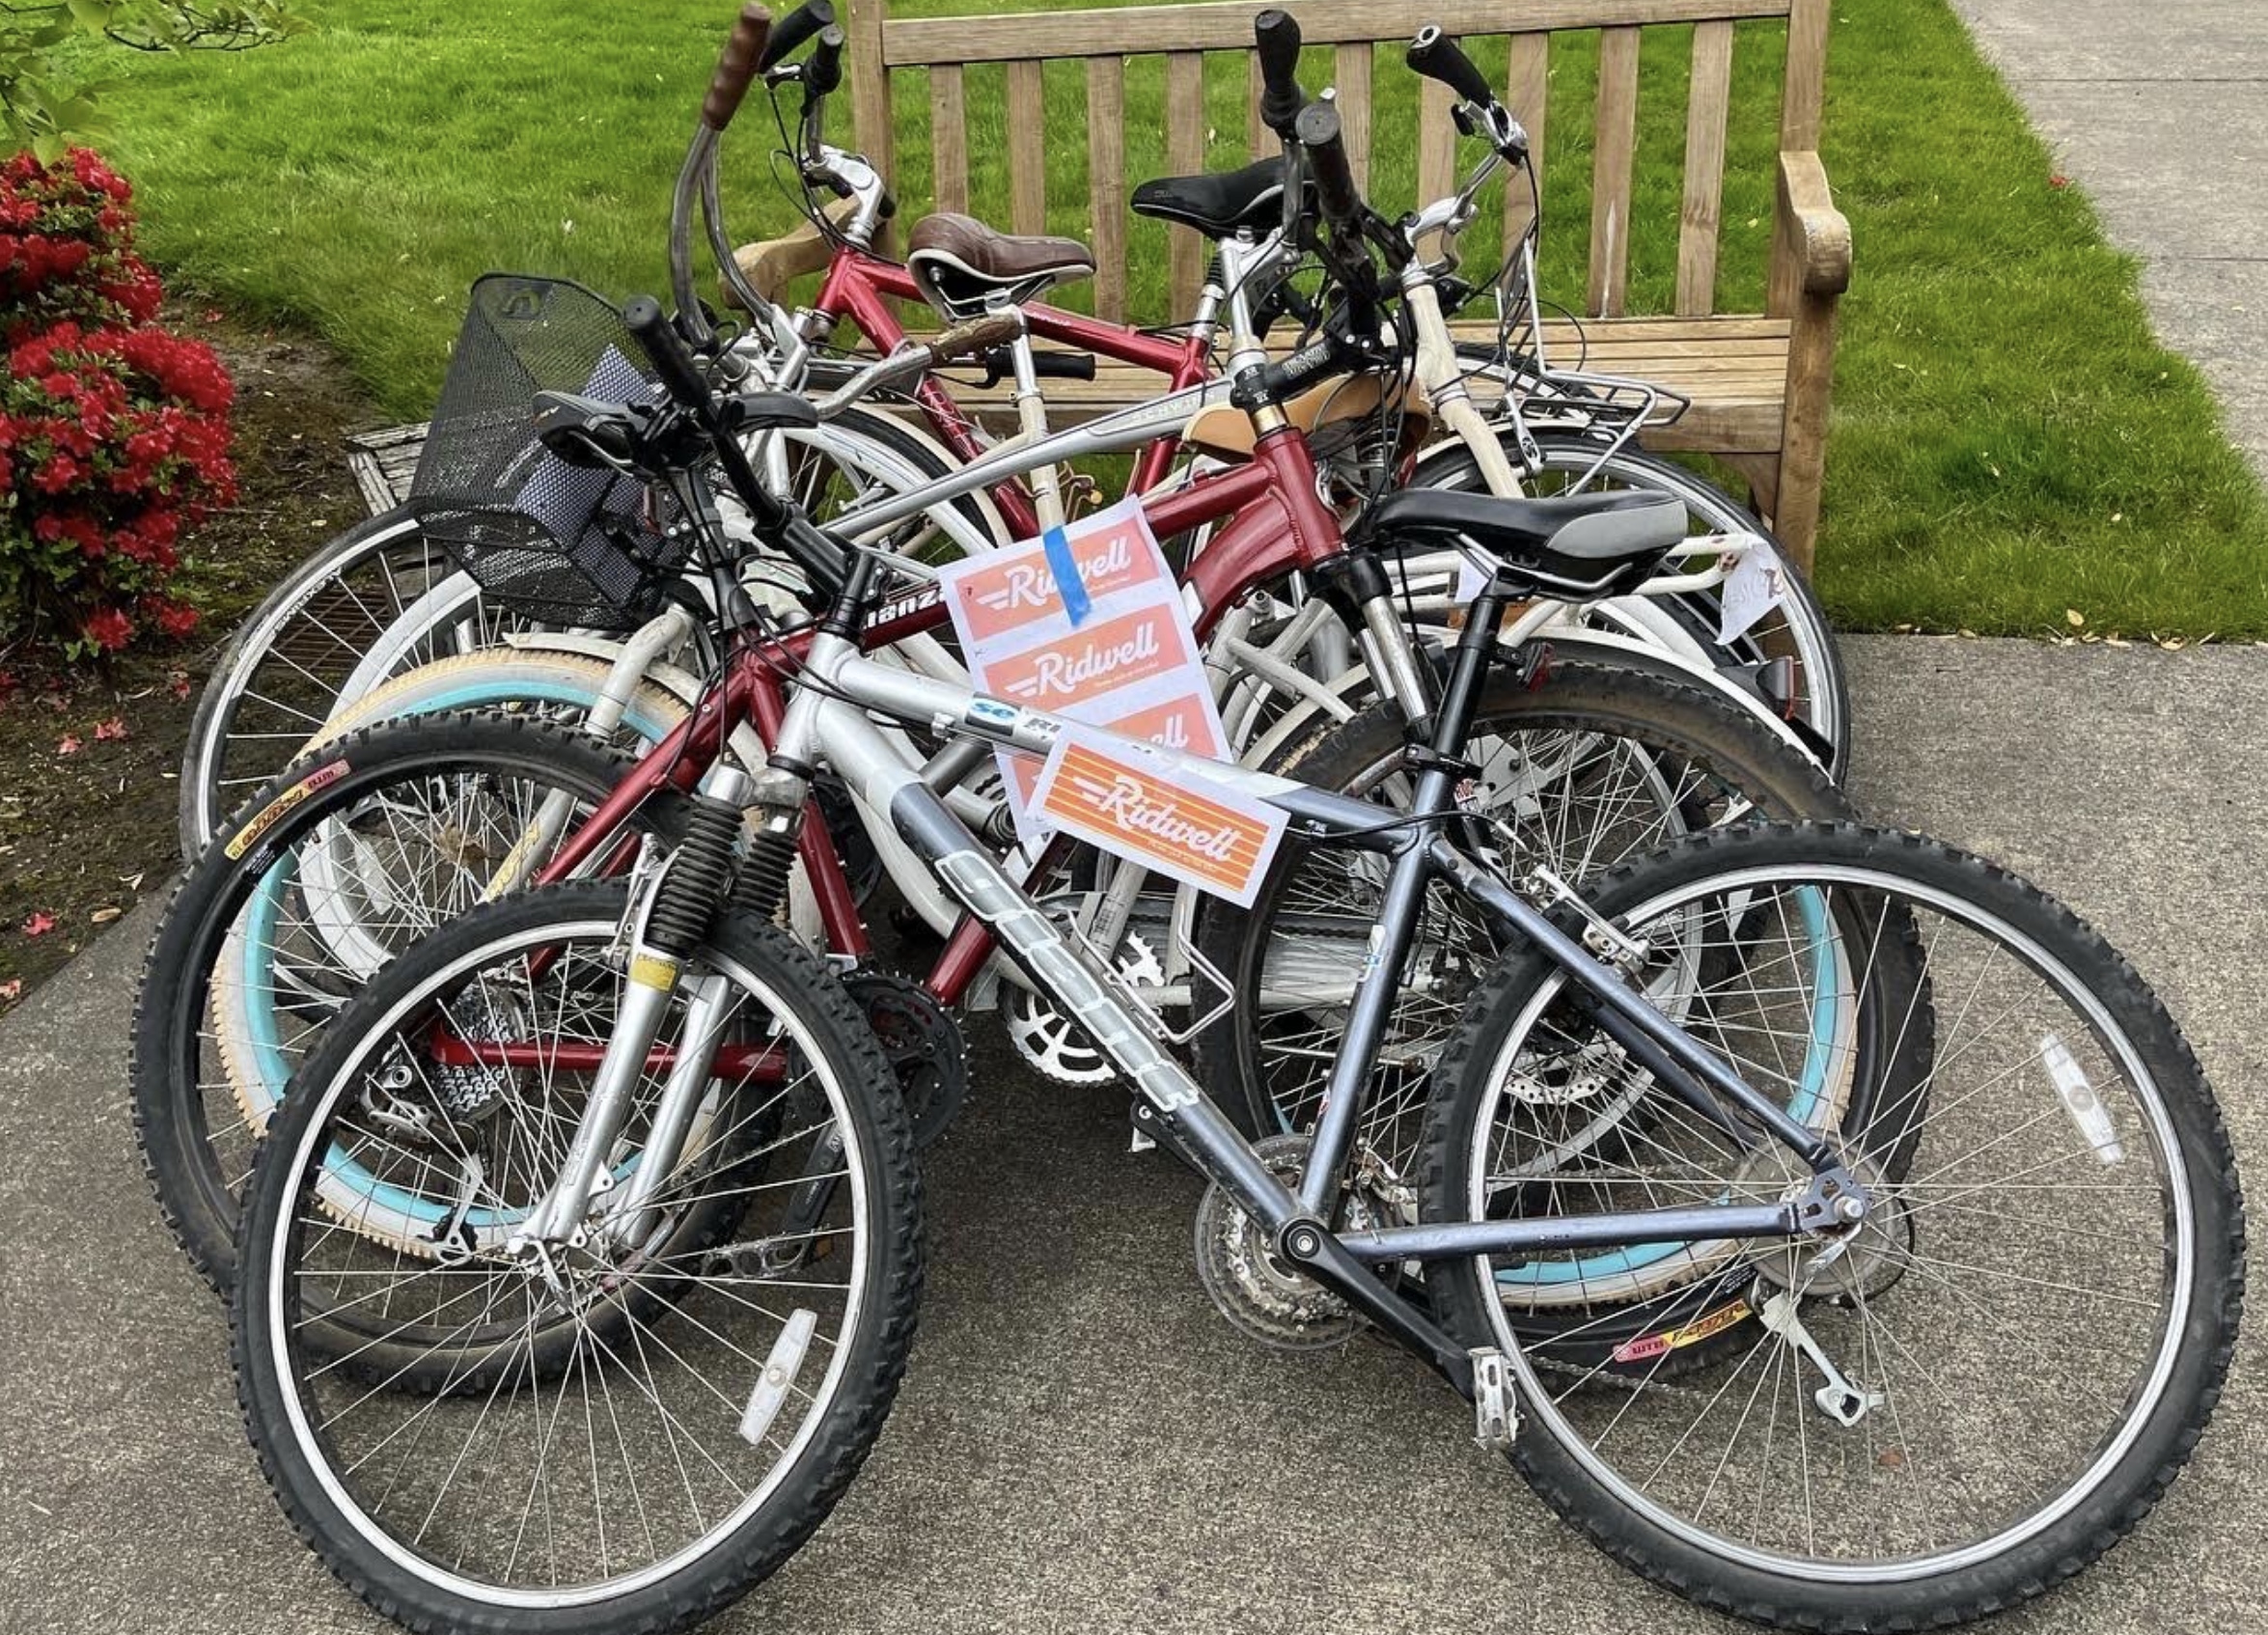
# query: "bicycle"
662,1132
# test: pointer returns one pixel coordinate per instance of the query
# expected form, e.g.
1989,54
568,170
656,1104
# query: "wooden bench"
1760,379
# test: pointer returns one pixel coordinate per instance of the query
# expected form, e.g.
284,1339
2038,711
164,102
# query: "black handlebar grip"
672,361
1436,55
1318,131
736,66
798,26
1276,37
824,72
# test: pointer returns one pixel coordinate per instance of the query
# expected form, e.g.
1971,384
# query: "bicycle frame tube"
859,287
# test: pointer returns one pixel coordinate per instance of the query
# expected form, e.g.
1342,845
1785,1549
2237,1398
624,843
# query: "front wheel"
1981,1386
613,1429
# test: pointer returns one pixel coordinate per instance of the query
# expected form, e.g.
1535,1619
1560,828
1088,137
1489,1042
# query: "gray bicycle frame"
827,720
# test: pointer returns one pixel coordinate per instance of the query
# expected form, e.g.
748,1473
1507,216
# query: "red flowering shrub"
67,247
114,434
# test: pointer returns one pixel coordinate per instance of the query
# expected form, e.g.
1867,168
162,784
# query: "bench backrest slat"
1027,112
1013,49
1351,73
949,139
1184,156
1106,181
1615,145
1527,96
1706,106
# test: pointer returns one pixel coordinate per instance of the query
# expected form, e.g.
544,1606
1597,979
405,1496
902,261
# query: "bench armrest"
1811,249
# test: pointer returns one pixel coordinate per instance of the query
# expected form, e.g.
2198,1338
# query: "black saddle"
1217,206
1577,547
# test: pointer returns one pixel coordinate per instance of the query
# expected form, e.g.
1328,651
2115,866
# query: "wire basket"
549,541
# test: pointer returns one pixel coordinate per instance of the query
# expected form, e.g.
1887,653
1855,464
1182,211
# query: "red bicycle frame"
1280,524
858,286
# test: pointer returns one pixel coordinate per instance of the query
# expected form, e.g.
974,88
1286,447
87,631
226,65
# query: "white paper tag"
1130,663
1752,589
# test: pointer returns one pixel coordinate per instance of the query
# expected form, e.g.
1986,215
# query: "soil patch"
90,756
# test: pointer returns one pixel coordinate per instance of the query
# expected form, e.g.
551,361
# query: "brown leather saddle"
960,264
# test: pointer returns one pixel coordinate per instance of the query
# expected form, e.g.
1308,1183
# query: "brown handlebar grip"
977,335
736,68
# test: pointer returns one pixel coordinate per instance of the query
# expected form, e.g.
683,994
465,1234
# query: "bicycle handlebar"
798,26
680,376
1437,57
1318,131
1275,37
736,66
823,73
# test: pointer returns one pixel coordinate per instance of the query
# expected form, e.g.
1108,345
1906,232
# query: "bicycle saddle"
1575,546
957,263
1217,206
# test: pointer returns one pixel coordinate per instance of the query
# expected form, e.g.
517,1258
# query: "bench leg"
1803,445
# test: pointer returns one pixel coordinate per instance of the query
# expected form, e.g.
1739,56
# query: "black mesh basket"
550,542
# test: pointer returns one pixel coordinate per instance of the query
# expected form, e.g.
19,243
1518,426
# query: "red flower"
108,629
111,731
176,619
69,744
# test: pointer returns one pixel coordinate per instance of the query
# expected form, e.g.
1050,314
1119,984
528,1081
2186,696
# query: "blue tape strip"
1067,583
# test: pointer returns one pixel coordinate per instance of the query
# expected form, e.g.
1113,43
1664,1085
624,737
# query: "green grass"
2008,439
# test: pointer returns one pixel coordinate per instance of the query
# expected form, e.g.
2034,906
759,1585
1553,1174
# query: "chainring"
923,1044
1252,1288
1055,1046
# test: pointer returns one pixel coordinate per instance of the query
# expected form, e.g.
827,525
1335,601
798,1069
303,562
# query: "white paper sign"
1754,588
1131,662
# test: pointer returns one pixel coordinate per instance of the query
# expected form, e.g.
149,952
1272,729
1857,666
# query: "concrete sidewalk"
1083,1443
2161,113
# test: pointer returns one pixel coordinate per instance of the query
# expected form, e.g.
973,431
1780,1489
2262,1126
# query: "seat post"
1047,498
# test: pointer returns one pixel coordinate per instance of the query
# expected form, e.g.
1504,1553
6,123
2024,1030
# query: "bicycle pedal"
1496,1409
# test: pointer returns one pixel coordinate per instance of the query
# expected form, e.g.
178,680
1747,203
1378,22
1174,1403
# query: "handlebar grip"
1438,57
736,66
672,361
1319,133
823,73
798,26
1275,37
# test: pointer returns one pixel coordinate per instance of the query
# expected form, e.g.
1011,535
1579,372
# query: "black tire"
406,567
2192,1339
1823,690
178,1135
1676,725
279,1356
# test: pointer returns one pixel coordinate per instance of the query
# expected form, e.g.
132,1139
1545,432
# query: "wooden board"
1133,29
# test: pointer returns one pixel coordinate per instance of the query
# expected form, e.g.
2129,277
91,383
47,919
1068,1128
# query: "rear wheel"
1962,1399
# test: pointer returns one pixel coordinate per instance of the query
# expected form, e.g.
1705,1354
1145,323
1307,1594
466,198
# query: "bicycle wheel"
345,860
1588,768
380,600
1797,629
619,1432
1966,1397
284,669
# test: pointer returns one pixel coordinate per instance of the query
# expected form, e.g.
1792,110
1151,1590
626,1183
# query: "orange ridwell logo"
1098,659
1018,590
1132,812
